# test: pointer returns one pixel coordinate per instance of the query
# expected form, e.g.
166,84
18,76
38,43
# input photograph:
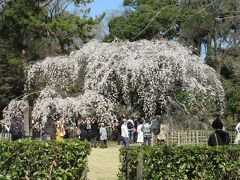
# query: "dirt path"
103,163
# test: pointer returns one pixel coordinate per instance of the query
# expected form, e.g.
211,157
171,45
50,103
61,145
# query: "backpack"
155,127
146,129
17,129
129,125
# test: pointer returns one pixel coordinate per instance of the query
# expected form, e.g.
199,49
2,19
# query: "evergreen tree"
33,29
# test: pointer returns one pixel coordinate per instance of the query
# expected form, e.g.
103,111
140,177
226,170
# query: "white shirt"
238,127
124,130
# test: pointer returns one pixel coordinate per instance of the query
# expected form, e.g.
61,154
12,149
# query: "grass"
103,163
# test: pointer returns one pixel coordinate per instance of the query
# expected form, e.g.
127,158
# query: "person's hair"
147,120
140,120
217,124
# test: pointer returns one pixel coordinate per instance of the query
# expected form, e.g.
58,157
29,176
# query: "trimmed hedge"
25,159
181,162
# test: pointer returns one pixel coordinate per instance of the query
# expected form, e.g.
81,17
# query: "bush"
181,162
43,159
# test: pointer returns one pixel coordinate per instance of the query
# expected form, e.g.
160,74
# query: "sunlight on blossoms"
142,77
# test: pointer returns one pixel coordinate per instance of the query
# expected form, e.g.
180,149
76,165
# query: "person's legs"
135,134
127,142
94,141
118,138
124,141
101,144
144,140
149,141
105,143
131,136
82,136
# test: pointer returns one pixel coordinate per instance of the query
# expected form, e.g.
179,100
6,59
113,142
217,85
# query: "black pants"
103,143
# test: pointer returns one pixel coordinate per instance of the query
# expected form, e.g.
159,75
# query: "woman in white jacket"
140,133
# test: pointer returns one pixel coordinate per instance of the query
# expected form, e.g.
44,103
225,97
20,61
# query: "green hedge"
181,162
43,159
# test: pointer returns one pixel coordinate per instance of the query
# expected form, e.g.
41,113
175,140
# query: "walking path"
103,163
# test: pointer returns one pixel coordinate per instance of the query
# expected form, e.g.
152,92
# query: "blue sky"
100,6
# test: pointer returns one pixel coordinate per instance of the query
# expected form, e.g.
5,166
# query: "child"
103,136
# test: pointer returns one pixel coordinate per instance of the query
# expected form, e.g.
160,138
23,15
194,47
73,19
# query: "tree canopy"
212,26
33,29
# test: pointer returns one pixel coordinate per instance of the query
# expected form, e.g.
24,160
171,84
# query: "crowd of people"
124,130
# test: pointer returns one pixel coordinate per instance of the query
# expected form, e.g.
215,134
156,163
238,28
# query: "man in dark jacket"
219,137
17,128
94,132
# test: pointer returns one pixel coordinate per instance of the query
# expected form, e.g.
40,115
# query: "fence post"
197,138
179,140
84,174
128,168
140,167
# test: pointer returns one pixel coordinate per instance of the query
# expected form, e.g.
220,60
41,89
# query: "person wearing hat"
219,137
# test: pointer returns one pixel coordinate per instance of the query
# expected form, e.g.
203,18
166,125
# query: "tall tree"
212,24
33,29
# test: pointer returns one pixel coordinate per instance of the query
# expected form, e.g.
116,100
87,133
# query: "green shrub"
181,162
43,159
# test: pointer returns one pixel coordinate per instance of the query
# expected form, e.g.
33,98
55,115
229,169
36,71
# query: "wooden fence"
179,137
194,137
5,136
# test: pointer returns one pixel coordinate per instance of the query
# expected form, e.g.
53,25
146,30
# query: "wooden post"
26,119
128,167
178,135
140,167
197,138
84,174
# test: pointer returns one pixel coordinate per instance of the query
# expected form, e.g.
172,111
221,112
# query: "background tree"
33,29
209,26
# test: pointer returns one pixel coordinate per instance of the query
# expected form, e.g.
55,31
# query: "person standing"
124,133
50,127
130,126
17,128
119,139
218,137
103,136
155,129
82,129
163,133
140,132
88,129
147,133
94,132
60,132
